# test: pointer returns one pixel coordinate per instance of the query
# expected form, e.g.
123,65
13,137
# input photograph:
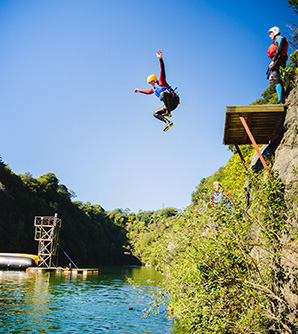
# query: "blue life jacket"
157,89
218,198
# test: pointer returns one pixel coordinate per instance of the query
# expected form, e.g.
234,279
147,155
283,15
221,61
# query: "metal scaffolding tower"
47,231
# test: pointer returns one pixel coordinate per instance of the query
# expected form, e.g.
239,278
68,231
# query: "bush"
232,271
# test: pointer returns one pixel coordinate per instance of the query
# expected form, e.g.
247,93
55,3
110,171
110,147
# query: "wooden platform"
63,270
264,121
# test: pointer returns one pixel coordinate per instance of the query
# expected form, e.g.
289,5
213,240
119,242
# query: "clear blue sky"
68,69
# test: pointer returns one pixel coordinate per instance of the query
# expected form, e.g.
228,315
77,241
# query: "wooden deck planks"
265,123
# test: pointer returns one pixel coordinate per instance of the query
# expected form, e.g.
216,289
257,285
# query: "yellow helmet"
152,77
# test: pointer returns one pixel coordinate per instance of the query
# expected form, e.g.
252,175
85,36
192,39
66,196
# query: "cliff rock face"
286,154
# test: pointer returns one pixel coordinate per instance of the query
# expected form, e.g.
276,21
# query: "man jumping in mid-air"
164,92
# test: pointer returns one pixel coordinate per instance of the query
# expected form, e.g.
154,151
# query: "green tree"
88,235
294,4
232,272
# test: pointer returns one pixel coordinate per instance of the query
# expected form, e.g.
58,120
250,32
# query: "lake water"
62,303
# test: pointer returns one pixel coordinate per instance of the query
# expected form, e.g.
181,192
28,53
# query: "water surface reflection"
63,303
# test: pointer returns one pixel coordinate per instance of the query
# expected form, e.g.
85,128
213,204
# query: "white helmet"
275,30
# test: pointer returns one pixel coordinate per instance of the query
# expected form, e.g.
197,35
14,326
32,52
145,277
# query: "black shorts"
171,100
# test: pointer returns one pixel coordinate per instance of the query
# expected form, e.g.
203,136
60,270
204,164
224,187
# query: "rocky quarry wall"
286,154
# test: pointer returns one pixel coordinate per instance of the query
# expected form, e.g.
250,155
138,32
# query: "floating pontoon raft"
63,270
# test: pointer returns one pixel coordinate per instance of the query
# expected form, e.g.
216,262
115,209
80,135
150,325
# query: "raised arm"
162,79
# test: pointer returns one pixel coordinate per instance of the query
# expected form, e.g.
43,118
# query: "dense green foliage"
294,4
146,229
88,234
232,271
231,176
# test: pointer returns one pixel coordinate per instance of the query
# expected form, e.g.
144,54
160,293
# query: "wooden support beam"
252,140
248,121
240,154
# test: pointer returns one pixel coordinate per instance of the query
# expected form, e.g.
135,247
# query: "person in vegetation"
164,92
278,53
220,196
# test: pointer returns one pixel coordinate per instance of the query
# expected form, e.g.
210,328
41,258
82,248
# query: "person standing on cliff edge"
164,92
278,53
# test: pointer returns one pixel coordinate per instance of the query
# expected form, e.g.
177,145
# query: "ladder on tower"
47,230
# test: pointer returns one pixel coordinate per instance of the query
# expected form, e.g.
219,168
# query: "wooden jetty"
74,271
253,124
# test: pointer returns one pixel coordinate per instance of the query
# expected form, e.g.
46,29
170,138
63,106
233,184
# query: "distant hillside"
88,234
